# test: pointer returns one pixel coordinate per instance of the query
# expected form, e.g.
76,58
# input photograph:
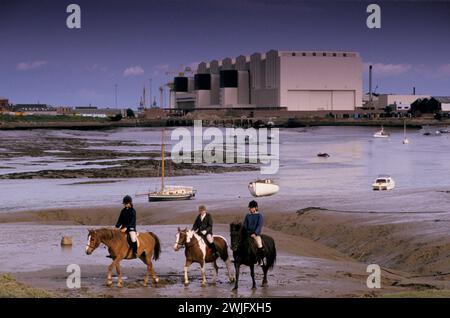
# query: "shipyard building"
292,80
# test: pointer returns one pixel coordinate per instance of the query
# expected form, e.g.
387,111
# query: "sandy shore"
323,252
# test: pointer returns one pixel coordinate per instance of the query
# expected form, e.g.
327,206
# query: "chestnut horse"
119,249
197,251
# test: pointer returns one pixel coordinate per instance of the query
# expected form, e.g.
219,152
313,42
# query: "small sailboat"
263,188
167,192
405,140
381,133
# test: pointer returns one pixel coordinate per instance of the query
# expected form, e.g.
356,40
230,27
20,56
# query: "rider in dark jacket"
203,226
127,222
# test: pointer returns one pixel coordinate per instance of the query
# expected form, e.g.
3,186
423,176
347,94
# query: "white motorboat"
263,188
170,193
381,133
383,182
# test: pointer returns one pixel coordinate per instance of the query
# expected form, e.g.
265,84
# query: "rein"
190,244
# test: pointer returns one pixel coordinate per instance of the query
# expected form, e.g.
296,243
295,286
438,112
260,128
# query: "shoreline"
283,122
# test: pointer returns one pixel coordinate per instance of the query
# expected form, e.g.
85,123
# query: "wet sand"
322,253
303,269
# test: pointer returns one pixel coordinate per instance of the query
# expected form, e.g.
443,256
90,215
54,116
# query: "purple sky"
128,42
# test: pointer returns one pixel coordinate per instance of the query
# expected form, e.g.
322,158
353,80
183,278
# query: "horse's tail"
270,251
224,253
157,248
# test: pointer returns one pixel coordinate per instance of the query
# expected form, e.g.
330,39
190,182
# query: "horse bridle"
185,243
89,244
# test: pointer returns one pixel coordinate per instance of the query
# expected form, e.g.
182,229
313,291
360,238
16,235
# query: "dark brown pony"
244,253
119,249
197,251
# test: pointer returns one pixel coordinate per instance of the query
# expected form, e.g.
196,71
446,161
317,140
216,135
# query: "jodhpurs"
209,238
258,241
133,236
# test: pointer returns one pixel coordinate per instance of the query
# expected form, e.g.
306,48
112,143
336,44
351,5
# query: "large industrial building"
292,80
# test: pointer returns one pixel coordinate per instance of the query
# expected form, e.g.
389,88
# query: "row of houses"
48,110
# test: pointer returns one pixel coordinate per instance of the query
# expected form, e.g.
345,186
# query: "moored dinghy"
381,134
170,192
263,188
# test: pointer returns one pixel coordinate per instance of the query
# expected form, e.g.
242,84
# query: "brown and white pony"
197,251
119,249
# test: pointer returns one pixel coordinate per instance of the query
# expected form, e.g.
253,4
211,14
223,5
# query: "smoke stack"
370,83
414,90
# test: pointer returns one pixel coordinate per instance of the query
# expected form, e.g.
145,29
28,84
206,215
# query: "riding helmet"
253,204
127,199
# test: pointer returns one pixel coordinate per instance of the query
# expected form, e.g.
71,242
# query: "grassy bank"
11,288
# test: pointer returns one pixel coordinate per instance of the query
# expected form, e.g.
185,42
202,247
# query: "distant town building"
34,109
431,105
370,102
86,107
95,112
444,102
4,104
402,106
385,100
293,80
63,110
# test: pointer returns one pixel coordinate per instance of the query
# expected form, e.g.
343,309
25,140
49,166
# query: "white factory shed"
295,80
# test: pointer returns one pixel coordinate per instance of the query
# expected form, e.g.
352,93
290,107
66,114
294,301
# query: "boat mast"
404,129
162,160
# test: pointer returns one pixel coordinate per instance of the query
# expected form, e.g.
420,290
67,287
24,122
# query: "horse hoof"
120,285
232,280
264,284
203,284
109,284
253,287
235,289
186,284
156,280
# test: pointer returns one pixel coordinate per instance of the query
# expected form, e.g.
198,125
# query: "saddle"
209,250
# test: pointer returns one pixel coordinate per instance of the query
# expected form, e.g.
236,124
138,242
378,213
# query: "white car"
383,182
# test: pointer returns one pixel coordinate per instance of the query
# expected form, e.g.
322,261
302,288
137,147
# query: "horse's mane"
108,233
190,234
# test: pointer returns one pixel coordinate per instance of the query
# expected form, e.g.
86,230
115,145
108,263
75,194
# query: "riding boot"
134,246
214,250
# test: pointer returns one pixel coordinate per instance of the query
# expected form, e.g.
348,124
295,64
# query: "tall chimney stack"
370,83
414,90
